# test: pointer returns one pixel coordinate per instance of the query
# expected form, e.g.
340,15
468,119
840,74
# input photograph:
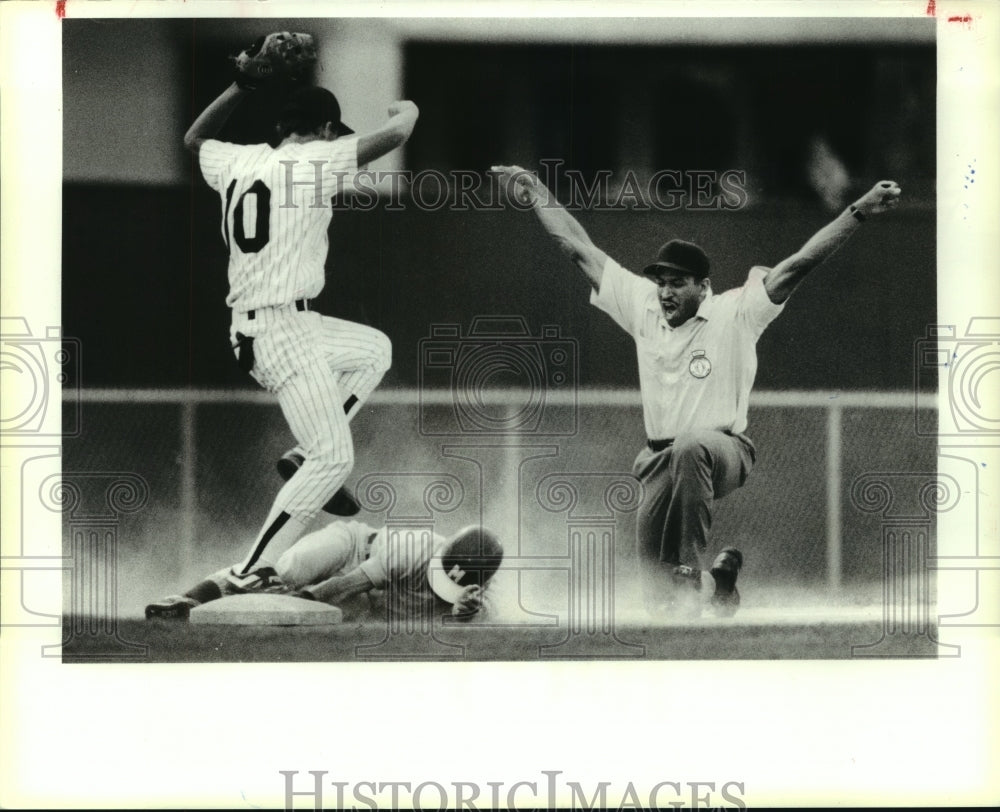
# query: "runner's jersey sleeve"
397,552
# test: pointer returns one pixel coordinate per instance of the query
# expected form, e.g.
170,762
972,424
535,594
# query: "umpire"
697,361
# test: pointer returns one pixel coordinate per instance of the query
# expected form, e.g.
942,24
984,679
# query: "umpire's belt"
658,445
300,305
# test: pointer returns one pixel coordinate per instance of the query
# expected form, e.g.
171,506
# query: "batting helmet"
470,557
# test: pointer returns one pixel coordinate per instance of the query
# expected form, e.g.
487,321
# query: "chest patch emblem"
699,366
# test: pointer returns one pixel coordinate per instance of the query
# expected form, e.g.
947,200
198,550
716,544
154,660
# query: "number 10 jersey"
276,209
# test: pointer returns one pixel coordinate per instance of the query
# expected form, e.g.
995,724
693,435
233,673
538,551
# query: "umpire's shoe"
342,503
687,600
174,607
725,568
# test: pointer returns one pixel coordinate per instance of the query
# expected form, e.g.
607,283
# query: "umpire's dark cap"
679,256
308,109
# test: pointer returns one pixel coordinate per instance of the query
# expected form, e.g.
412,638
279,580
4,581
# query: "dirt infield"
748,638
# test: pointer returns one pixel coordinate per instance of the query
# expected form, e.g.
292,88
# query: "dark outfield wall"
144,283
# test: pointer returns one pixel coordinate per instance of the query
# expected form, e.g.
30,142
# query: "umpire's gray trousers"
680,484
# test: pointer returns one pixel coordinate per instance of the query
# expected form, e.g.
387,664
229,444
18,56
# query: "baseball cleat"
289,463
687,576
342,503
263,579
725,568
687,601
174,607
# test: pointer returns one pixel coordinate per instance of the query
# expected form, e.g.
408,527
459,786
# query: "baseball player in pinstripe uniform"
697,362
276,208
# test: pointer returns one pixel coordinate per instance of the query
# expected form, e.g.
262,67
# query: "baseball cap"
311,107
471,557
679,256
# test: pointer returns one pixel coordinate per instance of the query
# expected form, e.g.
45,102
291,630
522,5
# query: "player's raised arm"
569,235
783,278
279,55
394,133
213,117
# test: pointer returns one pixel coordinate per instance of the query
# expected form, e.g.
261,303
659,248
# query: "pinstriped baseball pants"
314,364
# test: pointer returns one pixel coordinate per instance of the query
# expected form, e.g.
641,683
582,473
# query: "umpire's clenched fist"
883,196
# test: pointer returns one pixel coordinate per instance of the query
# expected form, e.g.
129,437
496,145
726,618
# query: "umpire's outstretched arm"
786,275
559,223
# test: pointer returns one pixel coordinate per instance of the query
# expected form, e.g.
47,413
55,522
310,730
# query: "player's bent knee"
382,353
698,443
689,445
692,454
329,458
334,464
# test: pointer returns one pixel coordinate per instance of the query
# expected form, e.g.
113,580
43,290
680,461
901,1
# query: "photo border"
795,733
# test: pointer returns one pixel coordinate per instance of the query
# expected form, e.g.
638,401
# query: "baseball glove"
280,55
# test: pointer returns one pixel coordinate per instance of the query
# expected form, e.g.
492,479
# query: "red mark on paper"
930,9
60,9
966,19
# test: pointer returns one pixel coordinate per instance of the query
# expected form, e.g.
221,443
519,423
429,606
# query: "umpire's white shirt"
698,375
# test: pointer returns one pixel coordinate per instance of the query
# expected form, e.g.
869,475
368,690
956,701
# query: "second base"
266,610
